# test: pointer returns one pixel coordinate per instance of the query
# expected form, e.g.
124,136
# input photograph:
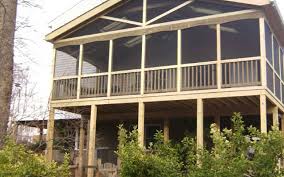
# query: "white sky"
41,51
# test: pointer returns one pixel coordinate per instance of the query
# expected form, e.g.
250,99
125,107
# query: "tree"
8,11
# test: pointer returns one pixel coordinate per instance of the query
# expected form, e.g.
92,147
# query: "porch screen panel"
276,55
268,43
281,64
199,9
199,44
131,10
269,72
99,26
277,88
158,7
67,61
161,49
240,39
95,57
127,53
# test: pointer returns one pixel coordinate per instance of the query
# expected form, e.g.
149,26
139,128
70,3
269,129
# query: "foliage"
236,152
17,161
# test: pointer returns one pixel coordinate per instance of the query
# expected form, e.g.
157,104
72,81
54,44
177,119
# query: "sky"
37,54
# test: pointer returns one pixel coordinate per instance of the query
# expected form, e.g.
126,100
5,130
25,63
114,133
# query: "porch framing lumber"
50,135
121,20
92,141
168,26
141,123
200,124
263,114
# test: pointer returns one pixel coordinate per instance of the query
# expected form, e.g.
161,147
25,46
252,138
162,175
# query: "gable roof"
270,8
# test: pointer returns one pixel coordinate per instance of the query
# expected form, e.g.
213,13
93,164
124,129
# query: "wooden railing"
125,83
200,76
64,89
160,80
240,73
94,86
194,76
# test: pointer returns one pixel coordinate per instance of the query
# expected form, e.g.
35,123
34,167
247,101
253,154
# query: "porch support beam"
168,26
263,115
282,124
141,123
166,130
50,135
275,116
81,147
200,126
92,141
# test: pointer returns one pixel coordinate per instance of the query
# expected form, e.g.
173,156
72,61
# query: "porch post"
263,116
166,130
200,141
282,123
92,141
217,121
275,116
81,147
50,135
141,119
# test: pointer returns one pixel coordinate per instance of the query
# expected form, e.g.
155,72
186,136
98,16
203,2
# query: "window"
161,49
268,42
127,53
67,61
96,57
240,39
199,44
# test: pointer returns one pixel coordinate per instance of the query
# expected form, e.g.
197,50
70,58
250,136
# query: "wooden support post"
217,121
81,148
275,116
141,121
219,64
179,55
143,58
263,116
109,83
80,71
50,135
282,124
200,126
262,51
166,130
92,141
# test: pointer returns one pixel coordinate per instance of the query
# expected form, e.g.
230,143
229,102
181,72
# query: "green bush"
17,161
236,152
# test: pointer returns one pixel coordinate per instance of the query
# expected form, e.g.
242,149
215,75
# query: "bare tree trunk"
8,11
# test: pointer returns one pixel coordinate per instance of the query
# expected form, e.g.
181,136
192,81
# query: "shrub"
236,152
17,161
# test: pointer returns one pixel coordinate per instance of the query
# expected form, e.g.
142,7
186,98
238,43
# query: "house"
171,65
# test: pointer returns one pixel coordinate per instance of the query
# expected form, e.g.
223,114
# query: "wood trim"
144,18
121,20
263,51
168,26
170,96
250,2
166,130
143,59
53,62
81,147
168,12
241,59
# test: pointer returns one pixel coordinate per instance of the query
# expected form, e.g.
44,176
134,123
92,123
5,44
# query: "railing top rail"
161,67
65,77
240,59
94,75
126,71
199,64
